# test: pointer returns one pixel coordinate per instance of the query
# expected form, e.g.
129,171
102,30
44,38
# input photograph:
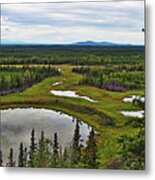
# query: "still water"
69,93
17,124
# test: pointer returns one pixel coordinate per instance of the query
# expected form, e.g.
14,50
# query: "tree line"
75,55
16,78
49,154
116,78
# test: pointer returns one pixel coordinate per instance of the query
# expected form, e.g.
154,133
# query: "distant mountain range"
93,43
80,43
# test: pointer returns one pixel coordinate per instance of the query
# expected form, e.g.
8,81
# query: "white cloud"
61,23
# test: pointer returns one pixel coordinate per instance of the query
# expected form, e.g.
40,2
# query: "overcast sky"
119,22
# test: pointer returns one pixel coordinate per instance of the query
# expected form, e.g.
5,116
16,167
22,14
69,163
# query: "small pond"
17,124
68,93
138,114
57,83
132,97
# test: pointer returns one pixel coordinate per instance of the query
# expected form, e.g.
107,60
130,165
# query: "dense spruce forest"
74,55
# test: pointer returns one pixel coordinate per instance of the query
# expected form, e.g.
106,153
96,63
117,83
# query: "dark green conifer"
25,157
75,154
90,151
32,149
21,156
55,150
42,155
11,162
1,159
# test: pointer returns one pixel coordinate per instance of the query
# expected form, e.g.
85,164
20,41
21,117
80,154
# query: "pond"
17,124
57,83
138,114
68,93
133,97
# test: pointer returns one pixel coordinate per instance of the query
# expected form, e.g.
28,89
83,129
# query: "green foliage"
15,79
25,155
32,149
90,156
124,65
75,153
55,155
48,154
66,158
43,152
11,162
74,55
112,78
139,103
132,148
21,156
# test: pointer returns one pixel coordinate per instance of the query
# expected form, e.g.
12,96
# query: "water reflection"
16,126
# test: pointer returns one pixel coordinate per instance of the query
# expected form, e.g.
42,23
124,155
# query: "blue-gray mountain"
94,43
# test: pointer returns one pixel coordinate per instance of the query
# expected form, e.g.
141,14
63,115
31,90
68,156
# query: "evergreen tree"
40,155
75,155
90,151
32,149
11,162
21,156
1,159
43,153
55,150
25,154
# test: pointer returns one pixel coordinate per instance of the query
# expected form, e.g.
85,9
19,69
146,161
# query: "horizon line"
3,42
41,44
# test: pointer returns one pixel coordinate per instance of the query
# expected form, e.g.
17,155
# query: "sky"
63,23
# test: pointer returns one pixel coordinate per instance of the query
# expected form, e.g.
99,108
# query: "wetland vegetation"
106,75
